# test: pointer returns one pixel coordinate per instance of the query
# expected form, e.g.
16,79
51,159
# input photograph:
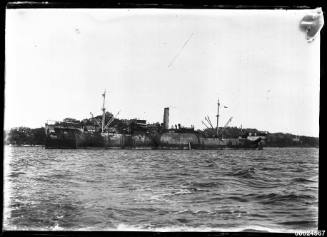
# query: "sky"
257,62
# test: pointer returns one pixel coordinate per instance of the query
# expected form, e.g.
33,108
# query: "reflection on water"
226,190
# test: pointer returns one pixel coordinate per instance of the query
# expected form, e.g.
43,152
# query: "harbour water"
274,189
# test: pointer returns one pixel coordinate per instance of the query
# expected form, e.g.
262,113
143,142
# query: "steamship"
107,131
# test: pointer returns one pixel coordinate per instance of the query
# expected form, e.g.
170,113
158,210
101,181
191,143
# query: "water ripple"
234,190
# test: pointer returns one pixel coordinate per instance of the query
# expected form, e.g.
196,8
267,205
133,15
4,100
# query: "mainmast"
103,111
217,118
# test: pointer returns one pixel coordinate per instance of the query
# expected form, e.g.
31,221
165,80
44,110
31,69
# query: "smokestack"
166,118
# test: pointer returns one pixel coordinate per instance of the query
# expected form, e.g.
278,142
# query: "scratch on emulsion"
180,51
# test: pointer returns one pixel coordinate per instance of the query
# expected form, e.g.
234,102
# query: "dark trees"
25,136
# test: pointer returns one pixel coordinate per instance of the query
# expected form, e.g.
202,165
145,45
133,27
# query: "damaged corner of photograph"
312,24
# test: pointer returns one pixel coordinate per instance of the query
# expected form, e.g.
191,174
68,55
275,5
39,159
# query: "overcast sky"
259,64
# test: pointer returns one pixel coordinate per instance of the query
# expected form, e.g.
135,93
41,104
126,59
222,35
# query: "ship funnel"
166,118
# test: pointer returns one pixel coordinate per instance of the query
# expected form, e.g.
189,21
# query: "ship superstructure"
107,131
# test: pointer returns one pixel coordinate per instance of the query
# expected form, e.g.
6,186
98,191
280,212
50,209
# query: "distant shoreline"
99,148
37,137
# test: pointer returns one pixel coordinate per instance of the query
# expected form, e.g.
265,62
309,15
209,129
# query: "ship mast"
217,118
103,111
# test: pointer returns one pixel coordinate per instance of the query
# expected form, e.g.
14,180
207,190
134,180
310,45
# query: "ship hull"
64,139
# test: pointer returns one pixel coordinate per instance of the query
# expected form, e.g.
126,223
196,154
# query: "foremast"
103,112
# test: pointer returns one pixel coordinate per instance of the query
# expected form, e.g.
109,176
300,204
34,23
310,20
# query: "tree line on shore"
25,136
36,136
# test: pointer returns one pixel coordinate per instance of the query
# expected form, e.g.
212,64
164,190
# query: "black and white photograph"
162,120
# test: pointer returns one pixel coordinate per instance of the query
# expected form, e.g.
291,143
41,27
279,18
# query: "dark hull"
166,141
